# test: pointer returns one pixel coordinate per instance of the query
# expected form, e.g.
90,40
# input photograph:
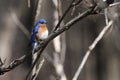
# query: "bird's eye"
41,22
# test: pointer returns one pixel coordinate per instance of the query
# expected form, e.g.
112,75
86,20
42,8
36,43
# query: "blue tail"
34,45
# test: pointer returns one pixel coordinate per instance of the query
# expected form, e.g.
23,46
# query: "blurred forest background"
16,23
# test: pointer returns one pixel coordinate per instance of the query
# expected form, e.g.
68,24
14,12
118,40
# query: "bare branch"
37,71
57,60
114,4
13,65
91,47
59,31
59,9
74,6
106,16
35,67
68,9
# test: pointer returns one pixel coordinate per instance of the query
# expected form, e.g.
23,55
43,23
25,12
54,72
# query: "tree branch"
13,65
91,47
56,33
72,4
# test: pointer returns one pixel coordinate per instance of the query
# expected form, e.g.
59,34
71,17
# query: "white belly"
44,35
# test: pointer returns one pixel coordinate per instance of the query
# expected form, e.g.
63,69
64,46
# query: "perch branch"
57,32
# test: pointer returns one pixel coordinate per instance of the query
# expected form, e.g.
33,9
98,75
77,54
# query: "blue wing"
33,38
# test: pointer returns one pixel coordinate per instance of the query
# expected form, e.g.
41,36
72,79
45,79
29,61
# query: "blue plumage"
34,33
33,37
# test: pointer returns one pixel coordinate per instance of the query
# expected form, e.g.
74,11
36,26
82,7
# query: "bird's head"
41,21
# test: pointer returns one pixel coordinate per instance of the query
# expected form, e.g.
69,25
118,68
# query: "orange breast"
42,29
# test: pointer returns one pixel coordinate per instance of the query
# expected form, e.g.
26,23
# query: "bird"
39,32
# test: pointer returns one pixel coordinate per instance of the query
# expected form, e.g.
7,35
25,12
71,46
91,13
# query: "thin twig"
73,10
72,4
114,4
59,9
106,16
38,70
91,47
55,28
35,67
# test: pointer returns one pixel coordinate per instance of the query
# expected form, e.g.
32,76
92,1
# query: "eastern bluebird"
40,32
